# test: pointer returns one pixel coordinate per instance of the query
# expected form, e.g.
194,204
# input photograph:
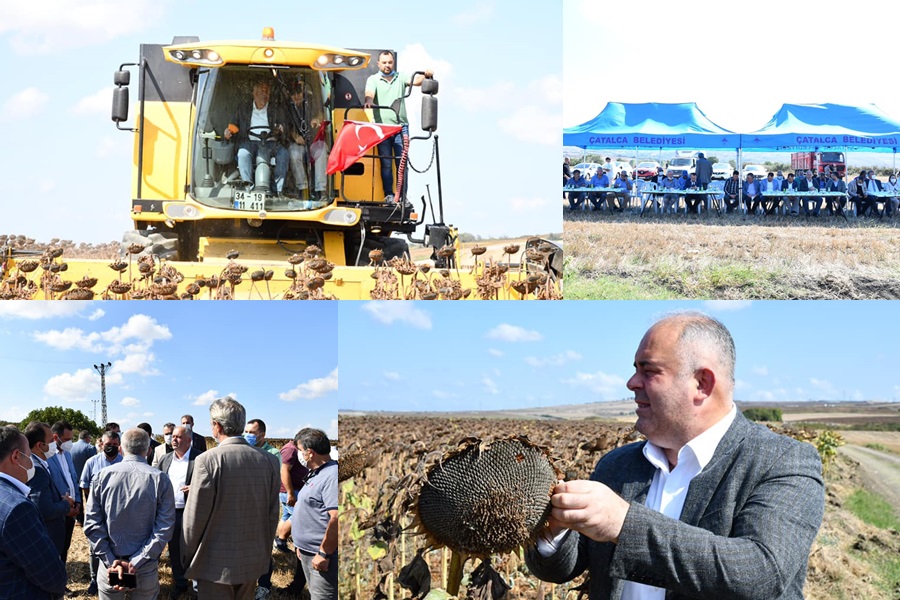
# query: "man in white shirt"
179,465
711,506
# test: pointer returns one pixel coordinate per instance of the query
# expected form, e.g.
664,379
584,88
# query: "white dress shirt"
64,466
669,487
178,475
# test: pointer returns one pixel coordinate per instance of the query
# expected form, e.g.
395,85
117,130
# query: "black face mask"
110,451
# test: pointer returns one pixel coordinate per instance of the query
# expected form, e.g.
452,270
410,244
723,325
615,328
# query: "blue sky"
69,169
738,61
442,356
171,358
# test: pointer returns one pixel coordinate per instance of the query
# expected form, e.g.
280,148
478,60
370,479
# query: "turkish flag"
354,140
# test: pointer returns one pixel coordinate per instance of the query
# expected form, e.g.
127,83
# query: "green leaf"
377,550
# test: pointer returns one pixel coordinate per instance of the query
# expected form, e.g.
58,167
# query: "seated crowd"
864,192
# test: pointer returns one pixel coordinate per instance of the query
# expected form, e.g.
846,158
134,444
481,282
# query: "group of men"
617,199
295,136
860,191
217,509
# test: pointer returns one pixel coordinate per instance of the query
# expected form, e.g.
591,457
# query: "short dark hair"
60,427
84,435
771,174
35,432
313,439
112,435
385,53
10,439
735,172
110,426
183,417
146,427
172,425
259,423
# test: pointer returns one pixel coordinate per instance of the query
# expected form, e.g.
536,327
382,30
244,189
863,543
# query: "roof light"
338,59
212,56
268,33
178,54
269,53
196,55
322,60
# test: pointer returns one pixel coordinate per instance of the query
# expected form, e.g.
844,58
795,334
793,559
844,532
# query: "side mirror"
122,77
429,86
429,113
120,104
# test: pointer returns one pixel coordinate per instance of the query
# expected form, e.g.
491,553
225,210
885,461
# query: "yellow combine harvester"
199,205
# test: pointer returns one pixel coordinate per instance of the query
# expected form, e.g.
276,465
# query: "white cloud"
495,352
69,338
22,309
526,205
609,386
81,385
332,429
314,388
23,105
489,386
97,314
480,13
549,89
534,124
556,360
136,363
496,96
206,398
97,103
727,305
145,330
760,370
513,333
57,25
398,312
392,375
129,401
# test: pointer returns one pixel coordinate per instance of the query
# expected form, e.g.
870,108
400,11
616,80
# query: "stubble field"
730,257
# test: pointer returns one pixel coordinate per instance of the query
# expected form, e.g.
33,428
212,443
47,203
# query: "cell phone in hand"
127,580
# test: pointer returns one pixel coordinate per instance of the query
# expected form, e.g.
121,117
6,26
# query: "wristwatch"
322,554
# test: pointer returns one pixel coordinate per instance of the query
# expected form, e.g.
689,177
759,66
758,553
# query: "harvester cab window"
221,94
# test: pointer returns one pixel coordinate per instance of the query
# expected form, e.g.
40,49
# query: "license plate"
249,200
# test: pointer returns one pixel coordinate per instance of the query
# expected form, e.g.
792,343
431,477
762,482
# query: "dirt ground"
880,471
79,571
734,257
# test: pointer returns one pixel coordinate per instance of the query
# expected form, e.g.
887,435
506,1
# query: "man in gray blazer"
231,510
710,506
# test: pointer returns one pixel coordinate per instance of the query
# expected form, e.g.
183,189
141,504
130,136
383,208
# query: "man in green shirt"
388,88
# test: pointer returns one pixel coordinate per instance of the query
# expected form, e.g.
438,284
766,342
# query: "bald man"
710,506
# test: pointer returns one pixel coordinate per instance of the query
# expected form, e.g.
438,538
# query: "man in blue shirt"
92,467
576,198
599,180
129,519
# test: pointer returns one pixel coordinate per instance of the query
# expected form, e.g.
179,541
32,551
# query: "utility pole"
101,368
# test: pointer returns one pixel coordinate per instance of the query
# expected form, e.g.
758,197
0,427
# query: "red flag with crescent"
355,138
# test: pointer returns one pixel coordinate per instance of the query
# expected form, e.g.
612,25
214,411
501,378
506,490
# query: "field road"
880,471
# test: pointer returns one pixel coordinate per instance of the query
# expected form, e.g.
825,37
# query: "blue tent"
825,126
652,125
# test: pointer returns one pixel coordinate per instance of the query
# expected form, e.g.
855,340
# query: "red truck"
817,161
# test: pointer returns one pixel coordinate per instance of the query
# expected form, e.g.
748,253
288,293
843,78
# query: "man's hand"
588,507
291,498
121,567
319,563
185,489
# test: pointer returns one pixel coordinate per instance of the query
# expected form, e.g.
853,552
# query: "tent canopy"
650,125
823,126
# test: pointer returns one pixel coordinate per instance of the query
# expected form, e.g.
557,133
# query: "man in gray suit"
231,510
710,506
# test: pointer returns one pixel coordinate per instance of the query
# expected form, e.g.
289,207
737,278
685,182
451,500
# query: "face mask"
189,428
29,473
110,451
51,452
251,438
67,446
168,439
302,460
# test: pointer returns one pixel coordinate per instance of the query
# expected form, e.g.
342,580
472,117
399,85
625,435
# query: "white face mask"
29,473
53,449
168,438
67,446
300,457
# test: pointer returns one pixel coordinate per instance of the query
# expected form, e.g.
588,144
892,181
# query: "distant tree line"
763,414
